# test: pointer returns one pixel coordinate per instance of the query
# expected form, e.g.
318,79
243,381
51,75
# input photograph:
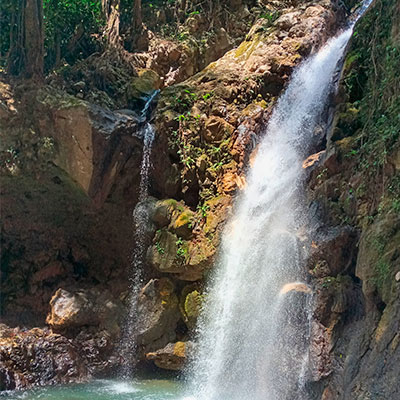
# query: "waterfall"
127,348
253,334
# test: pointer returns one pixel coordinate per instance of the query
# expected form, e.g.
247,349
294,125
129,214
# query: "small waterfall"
127,348
253,335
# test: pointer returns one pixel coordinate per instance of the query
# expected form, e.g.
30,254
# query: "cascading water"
254,330
128,343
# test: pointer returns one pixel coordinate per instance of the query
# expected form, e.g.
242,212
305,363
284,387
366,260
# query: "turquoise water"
151,389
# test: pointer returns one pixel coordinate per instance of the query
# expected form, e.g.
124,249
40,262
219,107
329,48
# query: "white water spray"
254,331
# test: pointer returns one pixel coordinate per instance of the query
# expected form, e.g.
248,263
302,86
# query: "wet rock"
378,259
163,254
158,314
144,84
320,360
39,358
191,303
163,211
172,357
333,250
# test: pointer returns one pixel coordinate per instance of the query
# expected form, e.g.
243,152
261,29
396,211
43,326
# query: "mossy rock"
58,100
378,258
162,255
142,85
190,304
168,253
163,212
182,223
247,47
192,308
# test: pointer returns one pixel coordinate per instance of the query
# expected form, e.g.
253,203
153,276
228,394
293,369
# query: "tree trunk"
34,39
137,16
57,42
111,11
26,55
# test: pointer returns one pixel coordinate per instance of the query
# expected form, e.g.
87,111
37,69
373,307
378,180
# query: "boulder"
93,144
144,84
182,223
172,357
71,310
200,257
163,254
158,314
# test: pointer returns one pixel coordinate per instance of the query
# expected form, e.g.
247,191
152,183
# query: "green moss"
246,48
58,99
193,304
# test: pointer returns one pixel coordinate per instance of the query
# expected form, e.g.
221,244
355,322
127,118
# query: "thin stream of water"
128,345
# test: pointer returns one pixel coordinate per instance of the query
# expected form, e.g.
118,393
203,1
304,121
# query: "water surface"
151,389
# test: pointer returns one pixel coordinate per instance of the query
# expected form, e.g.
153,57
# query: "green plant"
203,208
159,248
207,96
181,250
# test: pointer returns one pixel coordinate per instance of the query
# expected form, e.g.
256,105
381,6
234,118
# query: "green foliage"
207,96
182,249
8,12
70,27
270,16
159,248
373,83
203,209
184,100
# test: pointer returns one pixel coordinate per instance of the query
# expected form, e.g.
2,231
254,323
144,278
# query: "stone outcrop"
158,315
171,357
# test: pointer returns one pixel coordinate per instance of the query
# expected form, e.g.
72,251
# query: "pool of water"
151,389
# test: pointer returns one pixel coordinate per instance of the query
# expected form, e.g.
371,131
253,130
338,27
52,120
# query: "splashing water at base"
254,332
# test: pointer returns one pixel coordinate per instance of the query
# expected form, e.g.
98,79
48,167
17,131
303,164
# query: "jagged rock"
158,314
38,358
172,357
320,360
217,129
334,250
93,307
334,297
